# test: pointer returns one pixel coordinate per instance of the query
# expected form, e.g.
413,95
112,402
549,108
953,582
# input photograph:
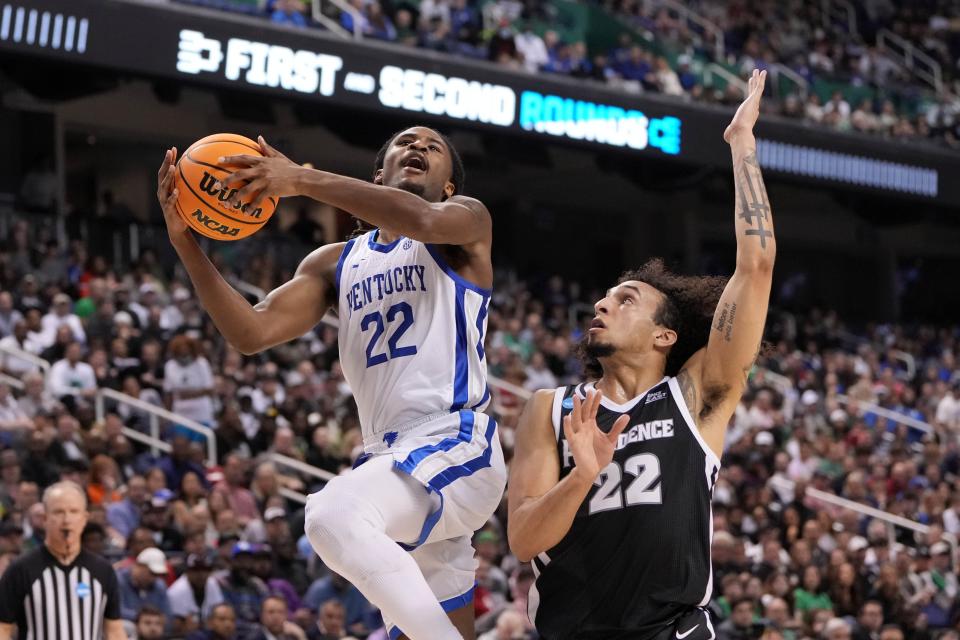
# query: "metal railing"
156,413
919,63
334,26
292,463
893,416
26,356
290,494
909,361
250,289
10,381
890,519
712,68
710,29
803,86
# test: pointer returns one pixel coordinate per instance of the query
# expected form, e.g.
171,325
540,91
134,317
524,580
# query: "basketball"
211,211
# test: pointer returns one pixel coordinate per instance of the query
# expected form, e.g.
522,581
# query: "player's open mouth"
597,324
414,163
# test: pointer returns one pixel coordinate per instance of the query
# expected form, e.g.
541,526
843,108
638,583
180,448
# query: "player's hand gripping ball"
213,211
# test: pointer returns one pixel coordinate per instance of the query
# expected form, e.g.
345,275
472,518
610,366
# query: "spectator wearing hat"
61,314
143,584
11,537
220,624
277,583
158,518
940,582
241,589
194,594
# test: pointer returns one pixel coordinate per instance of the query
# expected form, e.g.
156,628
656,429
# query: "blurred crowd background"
828,411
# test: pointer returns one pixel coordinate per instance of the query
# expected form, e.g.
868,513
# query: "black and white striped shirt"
50,601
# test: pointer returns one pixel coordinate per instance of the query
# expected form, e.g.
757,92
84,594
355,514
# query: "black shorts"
693,625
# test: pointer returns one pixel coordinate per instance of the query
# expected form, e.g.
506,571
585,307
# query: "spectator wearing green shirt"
810,595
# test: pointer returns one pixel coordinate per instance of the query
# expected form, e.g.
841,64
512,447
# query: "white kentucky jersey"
411,335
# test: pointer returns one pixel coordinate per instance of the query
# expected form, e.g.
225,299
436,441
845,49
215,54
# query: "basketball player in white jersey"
412,297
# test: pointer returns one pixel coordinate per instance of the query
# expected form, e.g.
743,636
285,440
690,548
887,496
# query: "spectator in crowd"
151,623
221,624
188,381
143,584
124,515
193,595
274,624
739,626
62,315
289,12
71,380
331,622
241,589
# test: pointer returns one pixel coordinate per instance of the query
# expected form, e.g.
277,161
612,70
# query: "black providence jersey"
638,553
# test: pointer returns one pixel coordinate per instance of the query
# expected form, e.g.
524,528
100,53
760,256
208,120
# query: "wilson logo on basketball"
226,196
211,211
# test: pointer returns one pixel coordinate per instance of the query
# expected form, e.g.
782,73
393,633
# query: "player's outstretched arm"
739,320
541,509
459,220
286,313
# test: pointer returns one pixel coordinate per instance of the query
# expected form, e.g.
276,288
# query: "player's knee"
332,521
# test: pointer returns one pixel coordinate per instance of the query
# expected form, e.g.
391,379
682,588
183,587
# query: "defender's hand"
273,175
167,195
592,448
748,112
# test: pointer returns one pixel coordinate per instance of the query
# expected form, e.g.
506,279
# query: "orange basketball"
210,211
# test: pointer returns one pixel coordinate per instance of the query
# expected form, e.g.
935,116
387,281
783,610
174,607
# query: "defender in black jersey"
58,591
610,487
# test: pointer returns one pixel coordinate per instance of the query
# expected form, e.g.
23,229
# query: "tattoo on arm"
755,207
725,320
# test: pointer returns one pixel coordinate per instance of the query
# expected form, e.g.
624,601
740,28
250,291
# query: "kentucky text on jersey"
637,433
396,280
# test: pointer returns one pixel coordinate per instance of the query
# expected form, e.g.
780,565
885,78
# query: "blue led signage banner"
207,47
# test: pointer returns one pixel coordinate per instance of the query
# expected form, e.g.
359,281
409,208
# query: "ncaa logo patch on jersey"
567,403
83,590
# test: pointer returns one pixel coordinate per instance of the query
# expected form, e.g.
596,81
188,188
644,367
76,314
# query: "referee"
58,591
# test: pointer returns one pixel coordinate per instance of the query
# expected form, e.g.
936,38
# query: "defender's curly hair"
688,307
458,176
